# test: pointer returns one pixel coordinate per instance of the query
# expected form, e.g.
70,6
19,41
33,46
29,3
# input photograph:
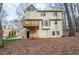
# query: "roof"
47,9
50,10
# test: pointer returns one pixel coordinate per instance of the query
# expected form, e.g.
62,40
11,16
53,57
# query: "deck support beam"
36,32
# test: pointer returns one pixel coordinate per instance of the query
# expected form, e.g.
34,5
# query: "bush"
12,33
9,33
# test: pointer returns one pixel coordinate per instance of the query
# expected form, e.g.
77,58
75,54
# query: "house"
8,27
46,23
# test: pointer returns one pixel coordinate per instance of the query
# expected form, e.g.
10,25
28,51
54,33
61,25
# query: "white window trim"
43,24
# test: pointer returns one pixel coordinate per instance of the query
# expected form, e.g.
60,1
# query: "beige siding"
57,27
42,33
33,15
48,33
51,15
37,15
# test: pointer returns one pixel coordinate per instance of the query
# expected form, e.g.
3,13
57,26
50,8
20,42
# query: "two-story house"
46,23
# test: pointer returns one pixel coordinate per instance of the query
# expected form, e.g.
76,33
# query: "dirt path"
66,45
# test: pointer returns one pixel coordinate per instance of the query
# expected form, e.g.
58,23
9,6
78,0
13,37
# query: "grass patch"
6,42
10,37
9,40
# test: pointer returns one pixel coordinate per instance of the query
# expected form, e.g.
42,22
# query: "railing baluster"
31,23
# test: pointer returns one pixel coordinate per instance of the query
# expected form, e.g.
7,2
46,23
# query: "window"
55,22
45,22
42,13
57,32
30,8
55,14
53,32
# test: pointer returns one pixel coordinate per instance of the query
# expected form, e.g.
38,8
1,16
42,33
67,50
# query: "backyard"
66,45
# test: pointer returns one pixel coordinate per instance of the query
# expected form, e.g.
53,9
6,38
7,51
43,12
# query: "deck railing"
30,23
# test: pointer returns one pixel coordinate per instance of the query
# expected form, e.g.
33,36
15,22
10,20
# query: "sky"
11,9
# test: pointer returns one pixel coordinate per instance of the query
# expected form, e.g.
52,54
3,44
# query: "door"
28,34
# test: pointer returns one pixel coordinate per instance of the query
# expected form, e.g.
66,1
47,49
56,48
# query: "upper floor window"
55,22
30,8
45,22
42,13
55,14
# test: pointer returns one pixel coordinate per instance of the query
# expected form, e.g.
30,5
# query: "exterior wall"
42,33
33,15
49,15
57,27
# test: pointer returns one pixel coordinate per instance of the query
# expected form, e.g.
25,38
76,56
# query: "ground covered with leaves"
66,45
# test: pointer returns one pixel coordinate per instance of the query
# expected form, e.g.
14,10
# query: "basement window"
53,32
57,32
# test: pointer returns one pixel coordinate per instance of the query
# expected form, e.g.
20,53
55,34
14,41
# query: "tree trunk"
78,16
73,15
1,32
64,22
70,21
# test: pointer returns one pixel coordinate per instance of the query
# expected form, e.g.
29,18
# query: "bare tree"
1,32
73,9
70,20
3,14
77,18
21,9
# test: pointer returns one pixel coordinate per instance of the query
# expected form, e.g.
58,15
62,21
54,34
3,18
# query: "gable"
33,13
31,8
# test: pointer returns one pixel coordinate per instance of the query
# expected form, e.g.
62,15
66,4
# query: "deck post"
25,34
36,32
